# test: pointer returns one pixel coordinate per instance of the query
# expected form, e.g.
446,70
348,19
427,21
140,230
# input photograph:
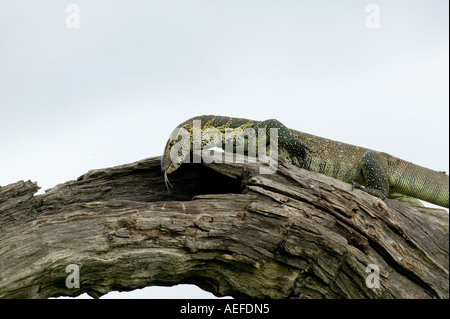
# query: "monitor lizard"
377,173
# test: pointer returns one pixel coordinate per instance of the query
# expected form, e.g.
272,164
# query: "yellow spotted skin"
377,173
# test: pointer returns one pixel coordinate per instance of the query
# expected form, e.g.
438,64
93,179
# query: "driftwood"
225,228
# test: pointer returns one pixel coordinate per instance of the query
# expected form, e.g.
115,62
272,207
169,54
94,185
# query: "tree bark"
224,227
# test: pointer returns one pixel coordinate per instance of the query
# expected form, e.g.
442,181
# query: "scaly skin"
377,173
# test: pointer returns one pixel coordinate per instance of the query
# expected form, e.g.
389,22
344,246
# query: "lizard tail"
423,183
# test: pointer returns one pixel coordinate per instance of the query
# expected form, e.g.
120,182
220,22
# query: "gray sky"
111,91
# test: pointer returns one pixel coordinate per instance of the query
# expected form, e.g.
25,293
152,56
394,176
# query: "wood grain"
225,228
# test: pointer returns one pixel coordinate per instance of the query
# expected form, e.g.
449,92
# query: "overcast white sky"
111,91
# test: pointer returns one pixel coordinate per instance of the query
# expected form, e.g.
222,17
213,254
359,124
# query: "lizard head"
167,165
175,152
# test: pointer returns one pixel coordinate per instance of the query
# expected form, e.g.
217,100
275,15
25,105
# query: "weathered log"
225,228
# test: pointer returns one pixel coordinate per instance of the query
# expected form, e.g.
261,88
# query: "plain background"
111,91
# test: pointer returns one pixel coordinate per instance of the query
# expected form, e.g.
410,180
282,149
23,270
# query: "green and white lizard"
377,173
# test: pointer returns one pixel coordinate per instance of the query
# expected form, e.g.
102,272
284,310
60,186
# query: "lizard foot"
357,186
372,191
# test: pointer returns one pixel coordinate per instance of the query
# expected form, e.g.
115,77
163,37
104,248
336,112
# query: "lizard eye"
171,143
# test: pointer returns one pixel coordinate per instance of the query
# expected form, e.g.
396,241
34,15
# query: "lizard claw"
356,185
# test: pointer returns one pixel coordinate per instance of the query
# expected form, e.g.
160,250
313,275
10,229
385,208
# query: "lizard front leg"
374,171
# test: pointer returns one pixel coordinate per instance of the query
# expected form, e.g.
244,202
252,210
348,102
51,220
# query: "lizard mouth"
169,167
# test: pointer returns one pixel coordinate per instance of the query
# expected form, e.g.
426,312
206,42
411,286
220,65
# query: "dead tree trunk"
225,228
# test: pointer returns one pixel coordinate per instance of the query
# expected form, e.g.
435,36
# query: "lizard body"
377,173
